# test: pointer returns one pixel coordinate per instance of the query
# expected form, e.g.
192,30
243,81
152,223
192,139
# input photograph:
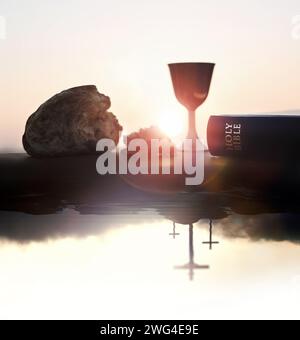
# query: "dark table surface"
40,186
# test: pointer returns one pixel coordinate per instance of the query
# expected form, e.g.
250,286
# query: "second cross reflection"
174,234
211,242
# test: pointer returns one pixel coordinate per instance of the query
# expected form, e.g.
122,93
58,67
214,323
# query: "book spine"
257,137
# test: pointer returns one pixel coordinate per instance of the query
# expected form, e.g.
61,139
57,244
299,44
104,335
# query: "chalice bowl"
191,82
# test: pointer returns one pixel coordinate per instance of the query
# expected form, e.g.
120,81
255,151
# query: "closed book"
254,136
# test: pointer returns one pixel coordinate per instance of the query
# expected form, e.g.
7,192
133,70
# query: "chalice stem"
192,134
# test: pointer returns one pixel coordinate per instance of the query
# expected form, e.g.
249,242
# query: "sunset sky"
124,47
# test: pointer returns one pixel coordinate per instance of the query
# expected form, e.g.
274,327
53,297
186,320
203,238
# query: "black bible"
254,137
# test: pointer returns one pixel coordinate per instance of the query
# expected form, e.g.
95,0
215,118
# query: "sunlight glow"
173,125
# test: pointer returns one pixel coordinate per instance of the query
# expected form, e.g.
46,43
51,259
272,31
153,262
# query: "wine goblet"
191,82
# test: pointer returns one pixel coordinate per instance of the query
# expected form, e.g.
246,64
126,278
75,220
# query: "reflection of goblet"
191,82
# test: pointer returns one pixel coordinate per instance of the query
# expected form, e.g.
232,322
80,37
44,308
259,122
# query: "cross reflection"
174,234
191,266
211,242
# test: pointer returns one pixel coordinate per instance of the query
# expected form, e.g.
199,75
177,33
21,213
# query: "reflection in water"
76,228
211,242
191,265
174,234
236,216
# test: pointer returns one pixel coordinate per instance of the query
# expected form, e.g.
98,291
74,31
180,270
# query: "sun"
171,125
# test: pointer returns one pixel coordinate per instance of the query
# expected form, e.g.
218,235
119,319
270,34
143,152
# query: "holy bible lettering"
259,137
233,140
